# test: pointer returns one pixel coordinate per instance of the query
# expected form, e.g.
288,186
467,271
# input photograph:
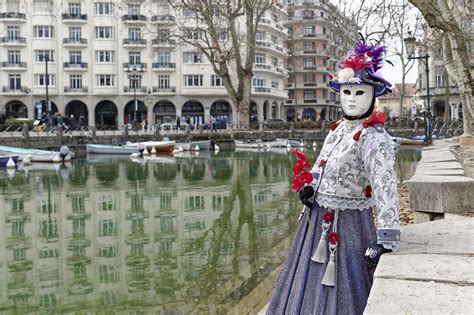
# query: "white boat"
34,155
278,143
159,146
249,145
111,149
187,146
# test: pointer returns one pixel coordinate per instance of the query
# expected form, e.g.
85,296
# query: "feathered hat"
361,68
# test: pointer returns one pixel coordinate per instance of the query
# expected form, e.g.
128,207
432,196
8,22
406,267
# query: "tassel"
330,274
320,253
356,137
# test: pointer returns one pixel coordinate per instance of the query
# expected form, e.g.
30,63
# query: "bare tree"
453,20
224,31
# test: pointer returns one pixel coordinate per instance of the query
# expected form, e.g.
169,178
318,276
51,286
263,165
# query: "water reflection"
170,236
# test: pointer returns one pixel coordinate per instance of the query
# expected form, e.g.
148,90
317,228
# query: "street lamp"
135,74
410,43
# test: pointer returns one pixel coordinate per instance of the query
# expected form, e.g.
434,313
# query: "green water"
171,236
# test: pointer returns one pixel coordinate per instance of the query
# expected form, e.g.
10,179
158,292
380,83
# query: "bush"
15,121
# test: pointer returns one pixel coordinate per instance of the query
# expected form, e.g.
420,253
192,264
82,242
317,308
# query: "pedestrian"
64,151
213,123
330,265
178,123
188,121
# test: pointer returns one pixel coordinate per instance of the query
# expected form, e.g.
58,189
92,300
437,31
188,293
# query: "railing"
82,65
259,89
309,35
68,89
157,89
310,51
127,89
8,64
21,89
262,66
163,18
310,84
140,66
72,40
447,128
18,40
158,41
309,67
310,101
12,15
69,16
134,17
134,41
159,65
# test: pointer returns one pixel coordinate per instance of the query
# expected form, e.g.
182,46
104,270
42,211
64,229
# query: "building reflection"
170,236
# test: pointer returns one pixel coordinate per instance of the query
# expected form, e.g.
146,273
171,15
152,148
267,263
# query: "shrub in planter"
15,121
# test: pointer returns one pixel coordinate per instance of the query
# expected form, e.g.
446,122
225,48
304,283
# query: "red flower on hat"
328,216
368,191
333,237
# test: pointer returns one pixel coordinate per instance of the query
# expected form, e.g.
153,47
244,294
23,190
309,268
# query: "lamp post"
134,76
410,43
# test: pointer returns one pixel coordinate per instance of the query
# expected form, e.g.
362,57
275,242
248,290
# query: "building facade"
113,62
319,38
390,103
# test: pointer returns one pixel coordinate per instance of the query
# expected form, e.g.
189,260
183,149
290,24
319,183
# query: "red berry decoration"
333,237
328,216
368,191
322,163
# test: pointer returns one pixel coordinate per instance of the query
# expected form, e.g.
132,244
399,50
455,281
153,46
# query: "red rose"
296,184
306,177
328,216
333,237
300,155
298,169
322,163
368,191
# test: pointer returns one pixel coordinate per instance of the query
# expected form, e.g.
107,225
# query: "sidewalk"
432,273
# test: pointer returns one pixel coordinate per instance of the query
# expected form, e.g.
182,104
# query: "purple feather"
376,51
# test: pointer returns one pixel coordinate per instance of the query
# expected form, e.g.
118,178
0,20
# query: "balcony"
129,66
310,101
15,90
75,90
157,89
309,68
289,85
139,90
163,43
74,42
159,66
274,48
262,89
310,84
134,18
12,17
273,26
13,65
134,42
309,35
17,41
75,66
69,18
163,19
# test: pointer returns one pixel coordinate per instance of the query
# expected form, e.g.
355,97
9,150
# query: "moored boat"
187,146
159,146
111,149
4,160
34,155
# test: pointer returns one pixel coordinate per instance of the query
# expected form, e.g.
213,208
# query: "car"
273,122
221,123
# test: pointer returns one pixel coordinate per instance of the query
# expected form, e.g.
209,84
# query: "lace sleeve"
379,160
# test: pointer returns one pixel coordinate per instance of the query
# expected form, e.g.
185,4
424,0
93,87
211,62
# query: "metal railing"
134,17
13,15
163,42
8,64
129,66
70,16
72,40
160,65
134,41
68,89
82,65
163,18
13,40
127,89
157,89
21,89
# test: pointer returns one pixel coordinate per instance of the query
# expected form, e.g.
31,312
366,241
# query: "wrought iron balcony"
163,19
68,89
19,89
160,65
75,41
163,42
138,66
310,101
13,40
310,84
134,41
12,16
142,89
261,89
70,17
80,65
8,64
171,89
134,18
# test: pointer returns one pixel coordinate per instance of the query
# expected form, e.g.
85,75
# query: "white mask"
356,99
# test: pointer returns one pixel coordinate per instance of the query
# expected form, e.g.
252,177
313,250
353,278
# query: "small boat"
159,146
249,145
34,155
187,146
278,143
406,141
111,149
4,160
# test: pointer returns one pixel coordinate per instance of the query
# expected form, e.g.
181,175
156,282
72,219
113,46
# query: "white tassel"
330,274
320,253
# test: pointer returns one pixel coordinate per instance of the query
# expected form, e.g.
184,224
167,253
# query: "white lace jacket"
346,167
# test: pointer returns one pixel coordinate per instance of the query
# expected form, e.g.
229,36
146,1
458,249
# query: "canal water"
170,236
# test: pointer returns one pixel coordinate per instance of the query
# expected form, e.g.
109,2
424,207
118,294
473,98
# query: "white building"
92,45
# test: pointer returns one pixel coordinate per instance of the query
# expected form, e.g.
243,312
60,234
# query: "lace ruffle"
342,202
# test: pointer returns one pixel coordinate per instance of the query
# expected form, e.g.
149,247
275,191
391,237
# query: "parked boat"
187,146
278,143
249,145
406,141
111,149
4,160
159,146
34,155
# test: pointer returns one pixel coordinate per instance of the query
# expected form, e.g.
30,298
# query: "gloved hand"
373,253
306,196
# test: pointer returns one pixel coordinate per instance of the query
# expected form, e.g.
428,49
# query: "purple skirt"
298,289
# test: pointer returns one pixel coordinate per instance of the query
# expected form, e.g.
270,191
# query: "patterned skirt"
299,290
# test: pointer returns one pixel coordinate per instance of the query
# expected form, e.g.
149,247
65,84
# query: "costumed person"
330,264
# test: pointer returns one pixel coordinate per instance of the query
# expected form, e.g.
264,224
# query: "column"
260,112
